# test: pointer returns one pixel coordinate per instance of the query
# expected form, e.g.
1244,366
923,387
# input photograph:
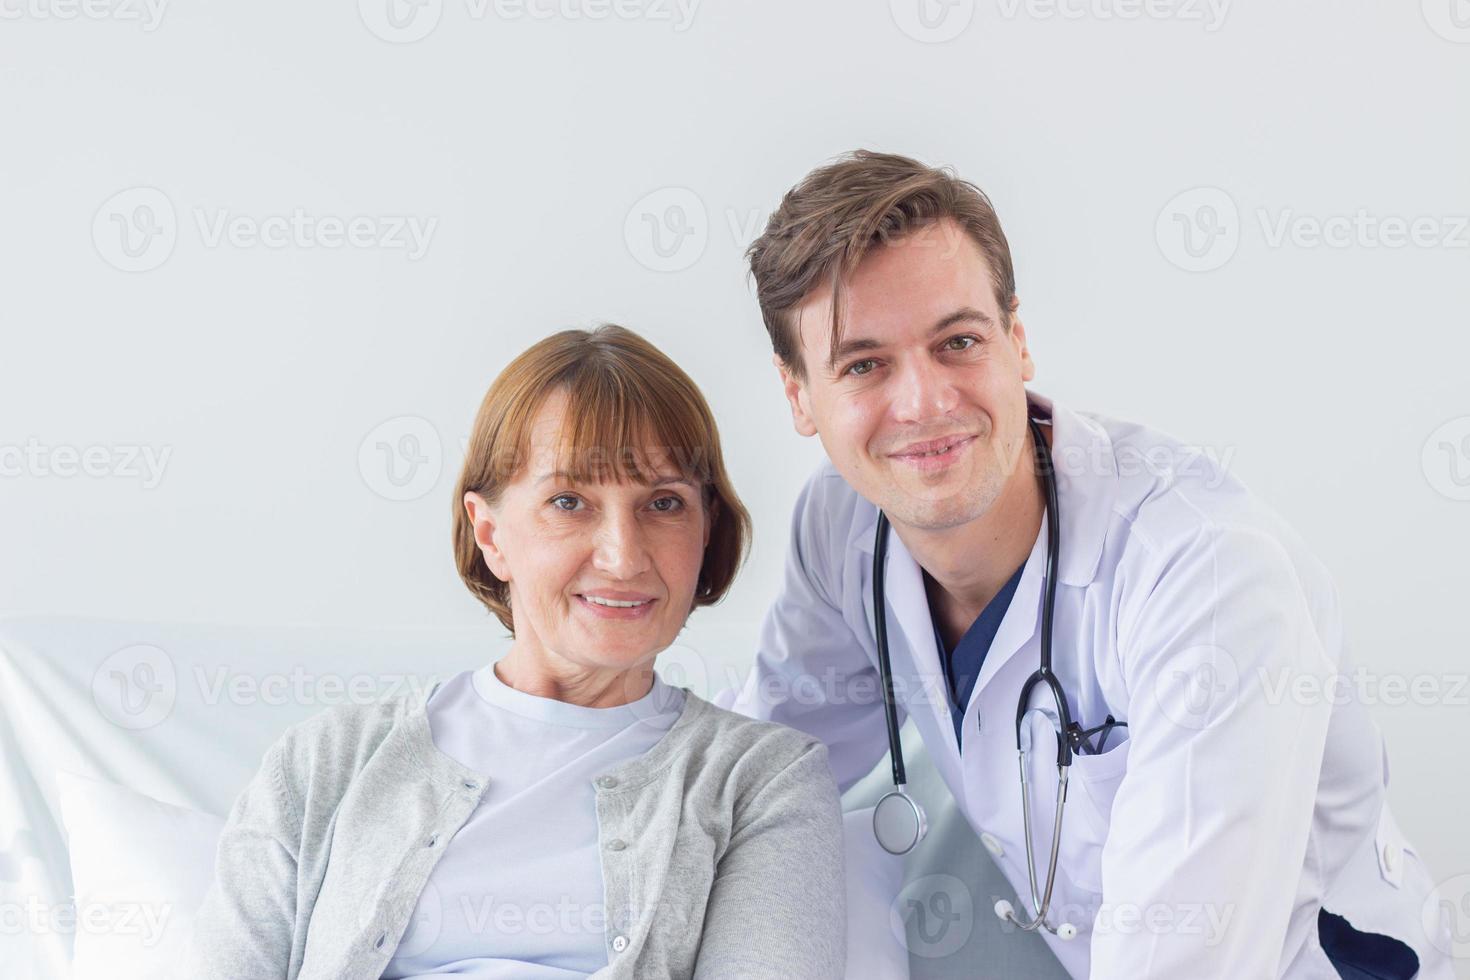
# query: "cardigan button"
616,844
619,943
607,782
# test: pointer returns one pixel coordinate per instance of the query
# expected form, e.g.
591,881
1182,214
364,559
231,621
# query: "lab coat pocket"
1092,786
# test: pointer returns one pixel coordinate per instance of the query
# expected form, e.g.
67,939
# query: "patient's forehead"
560,460
558,441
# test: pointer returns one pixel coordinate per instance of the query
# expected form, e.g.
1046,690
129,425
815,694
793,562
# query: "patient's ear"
801,415
482,518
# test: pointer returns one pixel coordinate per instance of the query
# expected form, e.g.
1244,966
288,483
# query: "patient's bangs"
616,432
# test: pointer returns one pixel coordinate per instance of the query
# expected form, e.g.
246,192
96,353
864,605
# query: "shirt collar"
415,740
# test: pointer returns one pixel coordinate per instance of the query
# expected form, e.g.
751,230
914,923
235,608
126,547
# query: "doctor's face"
923,410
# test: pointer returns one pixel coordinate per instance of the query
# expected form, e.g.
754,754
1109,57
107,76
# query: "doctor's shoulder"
1179,509
1168,490
828,514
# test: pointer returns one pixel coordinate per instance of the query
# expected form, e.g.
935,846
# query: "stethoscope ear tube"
899,822
885,669
1043,673
1064,716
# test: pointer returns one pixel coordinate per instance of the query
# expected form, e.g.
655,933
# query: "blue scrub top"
962,664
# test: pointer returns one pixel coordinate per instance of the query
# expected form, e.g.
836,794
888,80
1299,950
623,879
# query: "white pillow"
139,868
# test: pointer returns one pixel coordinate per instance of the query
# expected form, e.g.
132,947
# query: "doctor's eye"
964,342
859,368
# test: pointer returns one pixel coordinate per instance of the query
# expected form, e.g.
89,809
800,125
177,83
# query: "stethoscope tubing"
1042,675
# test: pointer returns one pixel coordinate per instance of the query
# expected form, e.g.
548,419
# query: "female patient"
560,812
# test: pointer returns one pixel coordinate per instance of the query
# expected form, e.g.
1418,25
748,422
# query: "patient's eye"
566,502
673,502
859,368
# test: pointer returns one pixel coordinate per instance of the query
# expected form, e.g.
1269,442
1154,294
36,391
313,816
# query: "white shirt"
518,891
1245,793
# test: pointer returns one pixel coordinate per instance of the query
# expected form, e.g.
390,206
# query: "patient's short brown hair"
624,398
838,212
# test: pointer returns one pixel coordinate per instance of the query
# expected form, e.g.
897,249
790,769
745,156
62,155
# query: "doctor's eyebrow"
856,345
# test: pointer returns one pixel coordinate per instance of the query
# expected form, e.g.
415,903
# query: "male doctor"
1234,824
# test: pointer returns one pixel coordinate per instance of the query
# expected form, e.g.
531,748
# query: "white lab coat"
1206,837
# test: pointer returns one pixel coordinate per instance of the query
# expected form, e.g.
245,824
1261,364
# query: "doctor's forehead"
901,292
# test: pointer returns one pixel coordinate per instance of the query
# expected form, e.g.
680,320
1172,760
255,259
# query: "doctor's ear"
482,519
796,395
1018,337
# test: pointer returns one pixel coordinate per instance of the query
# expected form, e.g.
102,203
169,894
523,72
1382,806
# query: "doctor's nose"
921,391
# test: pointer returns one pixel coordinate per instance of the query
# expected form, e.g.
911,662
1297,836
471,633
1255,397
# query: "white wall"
531,143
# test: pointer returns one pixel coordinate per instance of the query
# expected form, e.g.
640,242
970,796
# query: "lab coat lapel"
1022,620
1087,485
1086,474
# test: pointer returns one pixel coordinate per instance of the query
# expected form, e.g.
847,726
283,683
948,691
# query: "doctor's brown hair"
829,221
625,398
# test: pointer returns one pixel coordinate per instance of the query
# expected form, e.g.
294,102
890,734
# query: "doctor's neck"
968,564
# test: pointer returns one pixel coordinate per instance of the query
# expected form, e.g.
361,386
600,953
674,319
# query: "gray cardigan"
721,850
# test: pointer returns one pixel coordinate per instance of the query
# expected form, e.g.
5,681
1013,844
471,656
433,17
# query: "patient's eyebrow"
563,476
856,345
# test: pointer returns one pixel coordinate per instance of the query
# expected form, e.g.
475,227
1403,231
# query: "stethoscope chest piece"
899,822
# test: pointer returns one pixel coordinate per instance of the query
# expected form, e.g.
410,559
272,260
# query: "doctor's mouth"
934,455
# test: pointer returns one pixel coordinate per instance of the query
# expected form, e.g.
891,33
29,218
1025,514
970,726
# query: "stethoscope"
899,822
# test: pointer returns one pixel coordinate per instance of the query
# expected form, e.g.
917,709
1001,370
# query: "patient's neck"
532,669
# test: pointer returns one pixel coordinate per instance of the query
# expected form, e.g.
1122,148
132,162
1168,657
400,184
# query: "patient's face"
601,575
